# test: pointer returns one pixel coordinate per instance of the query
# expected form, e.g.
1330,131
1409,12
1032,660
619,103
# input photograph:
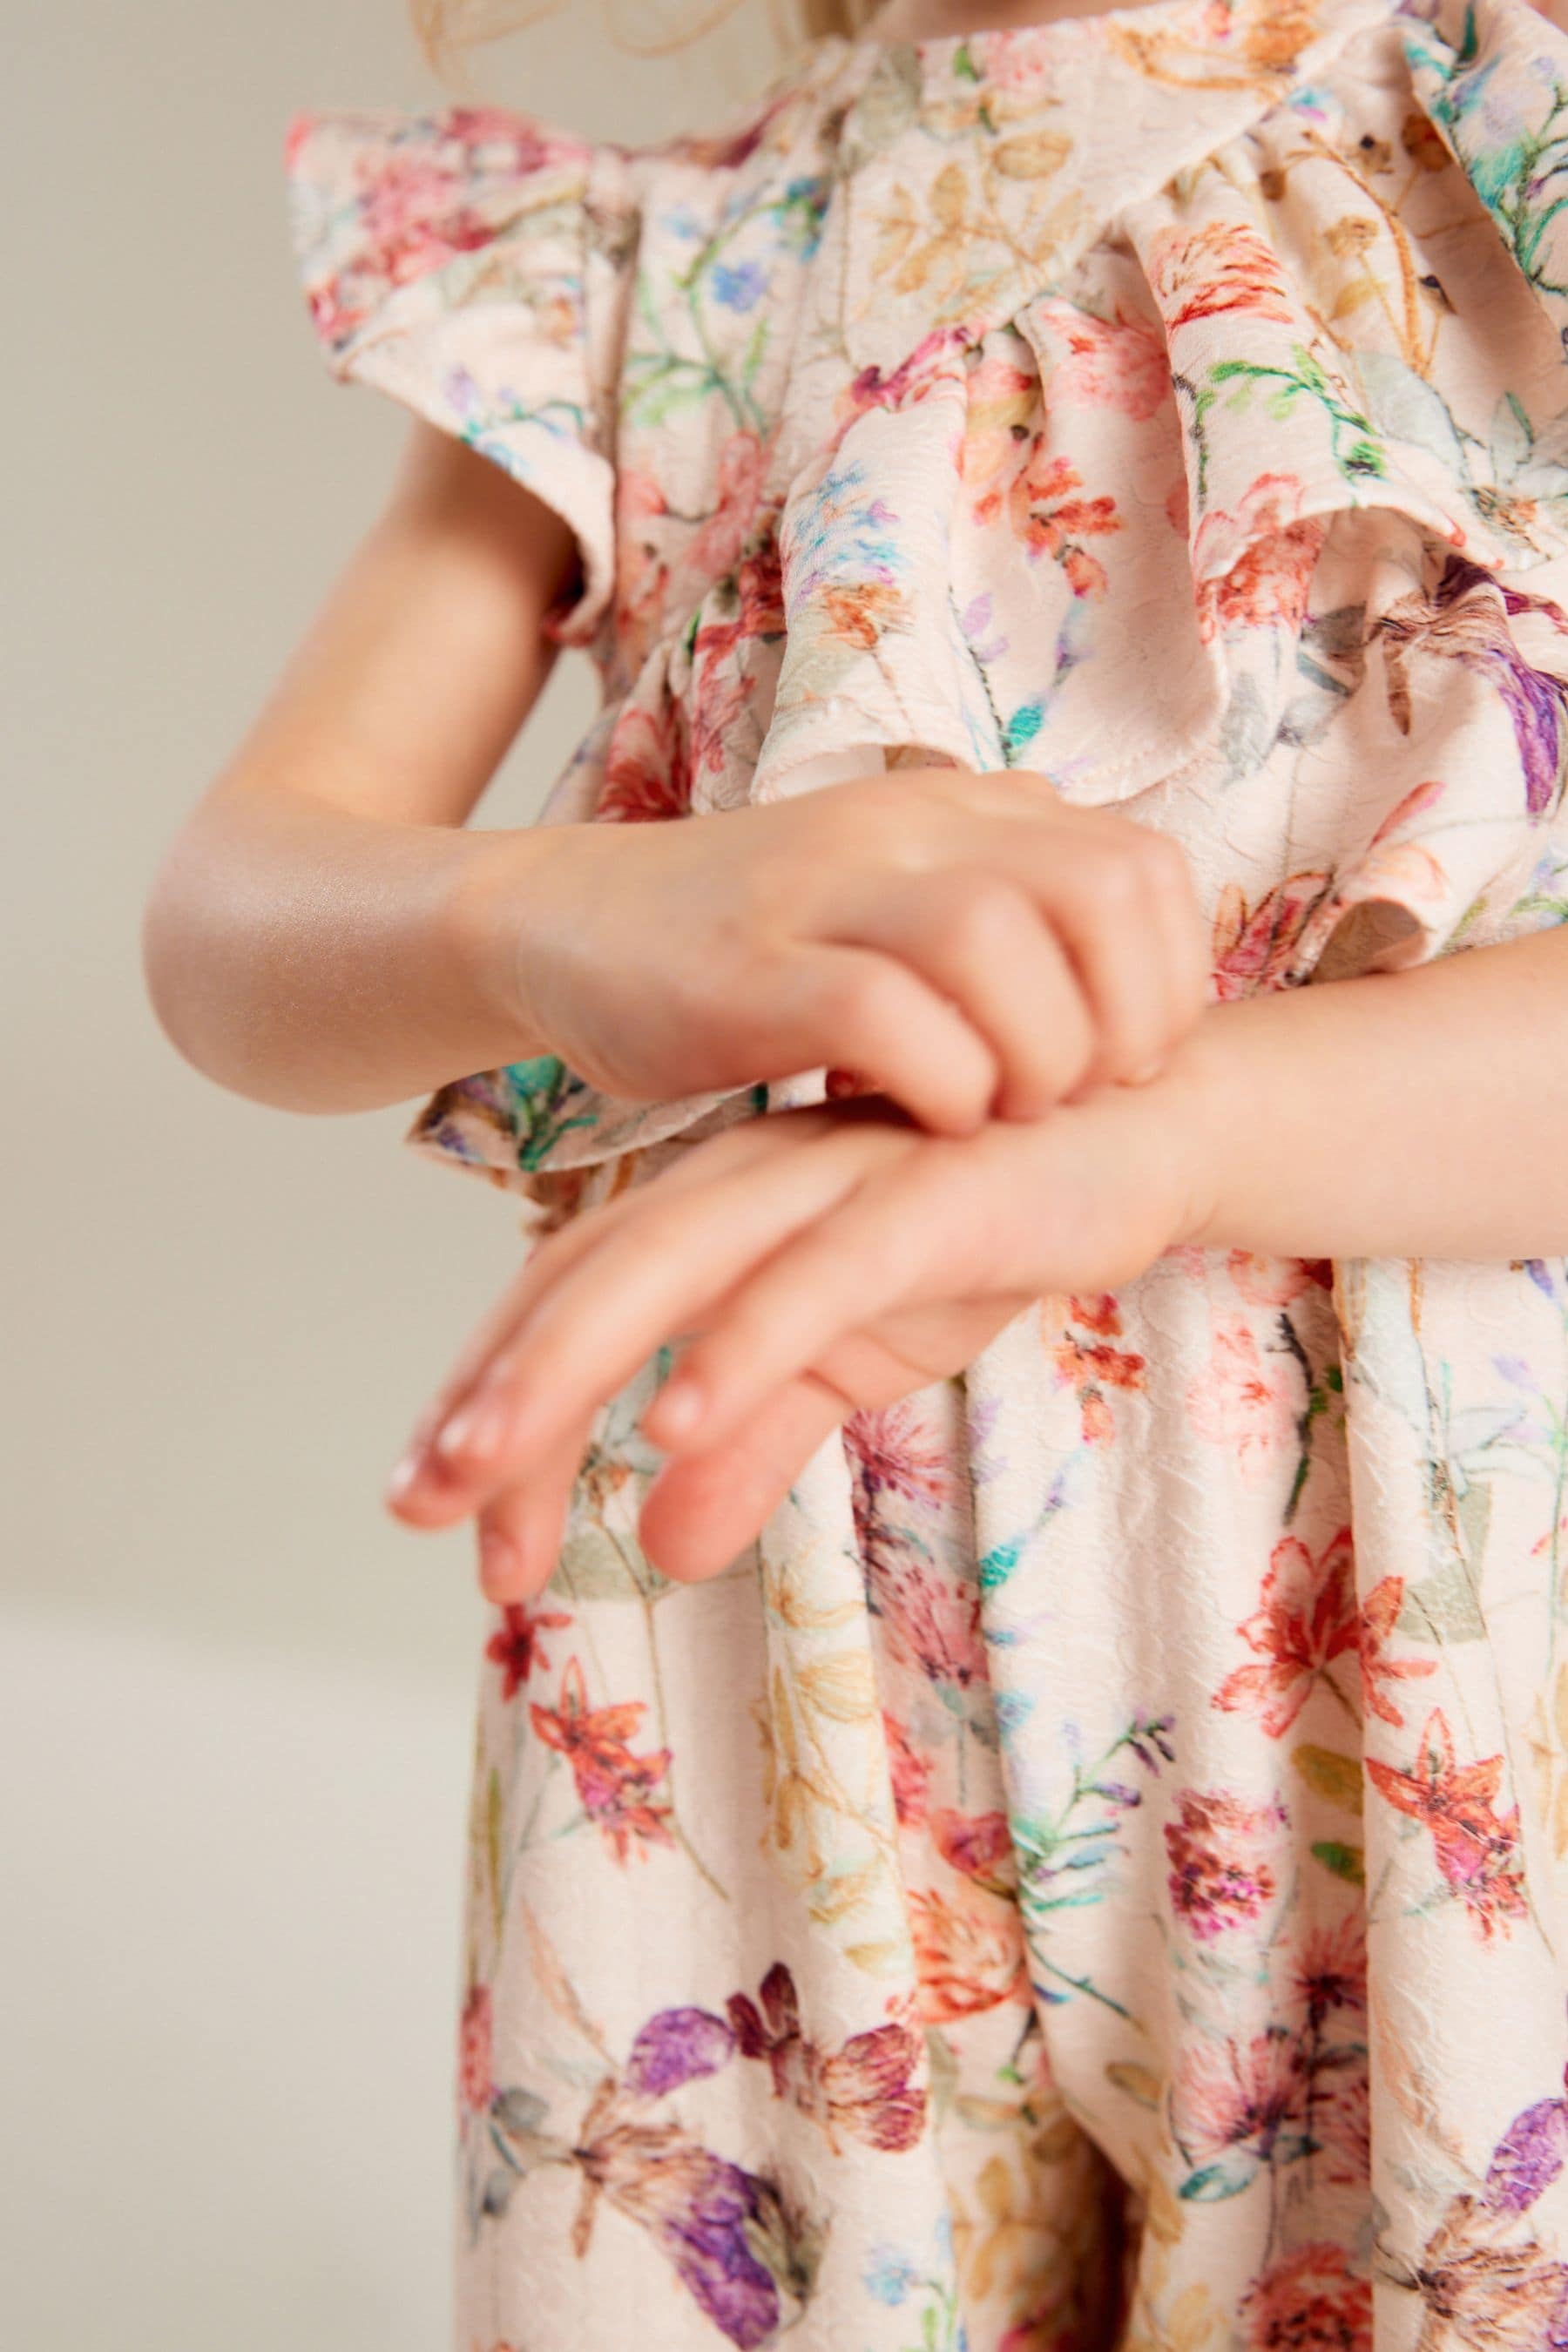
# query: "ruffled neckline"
1192,30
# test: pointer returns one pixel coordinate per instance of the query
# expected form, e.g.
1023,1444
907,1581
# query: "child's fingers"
646,1282
880,1249
520,1528
987,948
704,1509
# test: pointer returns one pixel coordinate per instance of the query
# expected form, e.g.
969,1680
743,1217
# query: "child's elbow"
194,966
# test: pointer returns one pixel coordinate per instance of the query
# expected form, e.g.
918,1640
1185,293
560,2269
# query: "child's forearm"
1419,1114
322,960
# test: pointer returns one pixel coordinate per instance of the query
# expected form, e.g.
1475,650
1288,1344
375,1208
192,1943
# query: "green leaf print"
1346,1862
1226,2177
1446,1606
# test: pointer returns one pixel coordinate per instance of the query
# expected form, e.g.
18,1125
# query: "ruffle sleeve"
473,263
1175,405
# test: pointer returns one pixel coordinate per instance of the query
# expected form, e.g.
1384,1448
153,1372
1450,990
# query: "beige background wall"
234,1699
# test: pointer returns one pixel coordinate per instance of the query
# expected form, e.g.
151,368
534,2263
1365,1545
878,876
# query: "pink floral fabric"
1094,1876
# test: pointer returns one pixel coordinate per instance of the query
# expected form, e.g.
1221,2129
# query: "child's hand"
969,945
826,1261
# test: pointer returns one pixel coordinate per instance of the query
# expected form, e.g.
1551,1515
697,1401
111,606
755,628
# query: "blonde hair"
446,28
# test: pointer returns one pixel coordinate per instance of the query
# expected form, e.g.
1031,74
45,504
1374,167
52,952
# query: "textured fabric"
1094,1875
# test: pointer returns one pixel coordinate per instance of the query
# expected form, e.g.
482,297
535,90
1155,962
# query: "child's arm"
836,1259
305,938
324,935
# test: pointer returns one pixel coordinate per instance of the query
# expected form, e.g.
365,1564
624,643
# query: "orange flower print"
1049,518
969,1954
1078,1336
515,1645
1306,1618
1253,566
614,1788
1244,1400
1221,1853
1379,1614
1476,1848
1223,266
1307,2302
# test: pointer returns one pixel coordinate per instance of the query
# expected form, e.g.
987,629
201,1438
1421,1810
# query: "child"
1032,1812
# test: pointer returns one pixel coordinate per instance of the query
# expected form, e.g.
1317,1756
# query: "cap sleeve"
473,263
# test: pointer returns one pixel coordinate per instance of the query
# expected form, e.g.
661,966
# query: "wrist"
496,923
1185,1102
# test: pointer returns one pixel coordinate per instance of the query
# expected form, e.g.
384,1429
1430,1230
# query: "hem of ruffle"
575,482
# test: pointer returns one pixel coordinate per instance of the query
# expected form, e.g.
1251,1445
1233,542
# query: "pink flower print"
1277,1281
930,1619
1245,1400
1247,2095
719,704
1254,567
1255,948
1014,63
1343,2127
1118,363
1306,1618
614,1788
1308,2302
864,2091
716,546
1476,1848
516,1647
648,777
476,2082
894,1453
979,1846
1330,1969
1380,1613
909,1773
1221,1853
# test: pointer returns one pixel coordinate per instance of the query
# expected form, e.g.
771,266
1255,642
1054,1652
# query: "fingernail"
475,1428
405,1474
679,1406
501,1563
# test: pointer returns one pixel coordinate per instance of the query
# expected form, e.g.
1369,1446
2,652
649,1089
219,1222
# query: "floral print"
1094,1875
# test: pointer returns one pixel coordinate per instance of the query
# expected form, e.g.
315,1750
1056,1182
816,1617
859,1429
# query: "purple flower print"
707,2216
676,2047
1529,2157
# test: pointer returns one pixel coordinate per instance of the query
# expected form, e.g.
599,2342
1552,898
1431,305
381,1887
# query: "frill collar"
977,166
